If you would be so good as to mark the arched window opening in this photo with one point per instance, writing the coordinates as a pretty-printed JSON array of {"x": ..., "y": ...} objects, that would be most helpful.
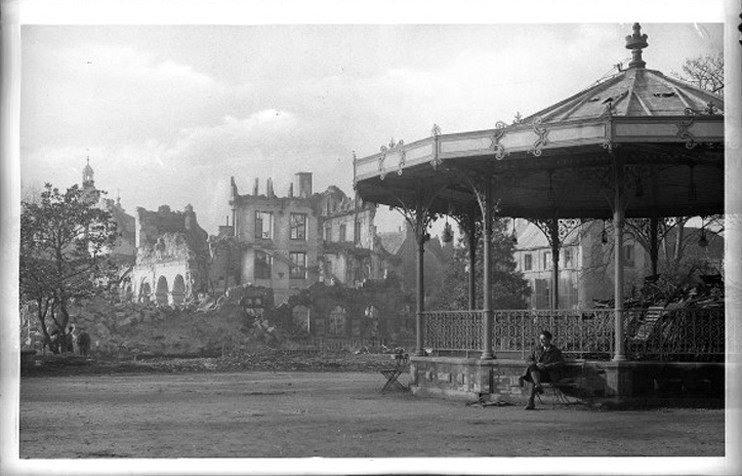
[
  {"x": 372, "y": 315},
  {"x": 178, "y": 290},
  {"x": 145, "y": 293},
  {"x": 300, "y": 317},
  {"x": 336, "y": 326},
  {"x": 162, "y": 291}
]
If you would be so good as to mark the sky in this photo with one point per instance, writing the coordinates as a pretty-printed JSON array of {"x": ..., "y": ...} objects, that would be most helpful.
[{"x": 168, "y": 113}]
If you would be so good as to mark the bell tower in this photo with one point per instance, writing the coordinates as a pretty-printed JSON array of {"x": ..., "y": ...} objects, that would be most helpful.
[{"x": 88, "y": 183}]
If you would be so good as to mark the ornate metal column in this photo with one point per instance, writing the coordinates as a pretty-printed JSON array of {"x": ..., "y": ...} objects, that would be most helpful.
[
  {"x": 467, "y": 220},
  {"x": 480, "y": 183},
  {"x": 487, "y": 244},
  {"x": 419, "y": 218},
  {"x": 555, "y": 246},
  {"x": 556, "y": 231},
  {"x": 420, "y": 236},
  {"x": 618, "y": 225},
  {"x": 472, "y": 237}
]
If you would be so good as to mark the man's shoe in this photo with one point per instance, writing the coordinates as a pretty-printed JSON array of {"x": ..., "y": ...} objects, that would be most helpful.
[{"x": 530, "y": 406}]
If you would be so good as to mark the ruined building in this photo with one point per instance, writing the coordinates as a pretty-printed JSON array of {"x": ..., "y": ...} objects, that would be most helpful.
[
  {"x": 289, "y": 243},
  {"x": 173, "y": 257}
]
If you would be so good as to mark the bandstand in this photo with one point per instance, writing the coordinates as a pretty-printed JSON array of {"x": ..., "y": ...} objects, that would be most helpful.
[{"x": 637, "y": 145}]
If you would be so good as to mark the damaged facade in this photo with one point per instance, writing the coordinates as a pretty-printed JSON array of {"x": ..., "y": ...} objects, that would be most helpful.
[
  {"x": 172, "y": 257},
  {"x": 318, "y": 253}
]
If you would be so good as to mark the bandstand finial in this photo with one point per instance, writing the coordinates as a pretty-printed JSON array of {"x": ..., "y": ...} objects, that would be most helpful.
[{"x": 636, "y": 42}]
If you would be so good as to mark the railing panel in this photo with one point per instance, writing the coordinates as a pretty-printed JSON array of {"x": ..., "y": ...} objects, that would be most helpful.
[
  {"x": 453, "y": 330},
  {"x": 650, "y": 334}
]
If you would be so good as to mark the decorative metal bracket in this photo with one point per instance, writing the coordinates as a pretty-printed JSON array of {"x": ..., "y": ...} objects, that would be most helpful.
[
  {"x": 711, "y": 109},
  {"x": 435, "y": 132},
  {"x": 499, "y": 150},
  {"x": 476, "y": 183},
  {"x": 542, "y": 140},
  {"x": 683, "y": 126},
  {"x": 402, "y": 160},
  {"x": 418, "y": 223},
  {"x": 609, "y": 145},
  {"x": 384, "y": 150},
  {"x": 565, "y": 227}
]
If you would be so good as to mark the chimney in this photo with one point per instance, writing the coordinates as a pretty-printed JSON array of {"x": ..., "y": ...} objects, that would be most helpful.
[
  {"x": 269, "y": 188},
  {"x": 255, "y": 187},
  {"x": 304, "y": 180},
  {"x": 190, "y": 217}
]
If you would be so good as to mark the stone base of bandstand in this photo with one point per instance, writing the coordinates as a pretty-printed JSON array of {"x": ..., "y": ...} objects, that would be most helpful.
[{"x": 605, "y": 383}]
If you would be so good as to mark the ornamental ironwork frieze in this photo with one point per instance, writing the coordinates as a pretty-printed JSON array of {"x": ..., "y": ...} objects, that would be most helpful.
[
  {"x": 542, "y": 140},
  {"x": 384, "y": 151},
  {"x": 435, "y": 132},
  {"x": 402, "y": 159},
  {"x": 496, "y": 146},
  {"x": 683, "y": 126}
]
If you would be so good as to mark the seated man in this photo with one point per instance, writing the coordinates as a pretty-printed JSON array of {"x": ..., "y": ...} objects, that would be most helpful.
[{"x": 544, "y": 365}]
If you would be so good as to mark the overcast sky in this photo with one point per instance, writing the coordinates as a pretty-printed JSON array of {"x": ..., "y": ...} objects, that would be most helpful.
[{"x": 168, "y": 113}]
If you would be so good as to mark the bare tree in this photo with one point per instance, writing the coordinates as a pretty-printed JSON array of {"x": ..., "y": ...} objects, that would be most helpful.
[{"x": 706, "y": 72}]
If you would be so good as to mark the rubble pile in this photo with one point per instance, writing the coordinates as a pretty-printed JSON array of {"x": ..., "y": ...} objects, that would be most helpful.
[
  {"x": 707, "y": 292},
  {"x": 127, "y": 330}
]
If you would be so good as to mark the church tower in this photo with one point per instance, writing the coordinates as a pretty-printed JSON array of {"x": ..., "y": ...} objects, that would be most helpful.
[{"x": 88, "y": 183}]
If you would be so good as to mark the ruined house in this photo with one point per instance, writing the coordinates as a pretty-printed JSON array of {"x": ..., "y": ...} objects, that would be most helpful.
[
  {"x": 275, "y": 239},
  {"x": 172, "y": 259}
]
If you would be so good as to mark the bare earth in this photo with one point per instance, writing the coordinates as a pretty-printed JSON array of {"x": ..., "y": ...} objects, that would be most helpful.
[{"x": 304, "y": 414}]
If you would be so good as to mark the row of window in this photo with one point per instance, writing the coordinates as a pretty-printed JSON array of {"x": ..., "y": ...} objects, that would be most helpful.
[
  {"x": 298, "y": 228},
  {"x": 264, "y": 265},
  {"x": 264, "y": 226},
  {"x": 343, "y": 233},
  {"x": 568, "y": 259}
]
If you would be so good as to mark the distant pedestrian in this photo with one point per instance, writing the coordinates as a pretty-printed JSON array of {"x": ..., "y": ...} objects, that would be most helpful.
[
  {"x": 83, "y": 342},
  {"x": 69, "y": 340},
  {"x": 54, "y": 341}
]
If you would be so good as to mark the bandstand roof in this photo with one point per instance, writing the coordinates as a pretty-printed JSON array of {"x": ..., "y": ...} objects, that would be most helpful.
[{"x": 668, "y": 135}]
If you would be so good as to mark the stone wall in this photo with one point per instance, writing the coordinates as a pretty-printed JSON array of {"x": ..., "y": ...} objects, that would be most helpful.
[{"x": 589, "y": 381}]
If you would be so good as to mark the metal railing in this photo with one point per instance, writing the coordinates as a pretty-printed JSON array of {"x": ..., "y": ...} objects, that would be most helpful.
[
  {"x": 685, "y": 334},
  {"x": 453, "y": 331}
]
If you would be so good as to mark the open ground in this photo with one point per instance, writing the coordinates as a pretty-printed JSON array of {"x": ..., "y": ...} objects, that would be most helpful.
[{"x": 329, "y": 414}]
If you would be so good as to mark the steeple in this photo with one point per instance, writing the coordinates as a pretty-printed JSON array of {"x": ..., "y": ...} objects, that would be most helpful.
[
  {"x": 90, "y": 194},
  {"x": 87, "y": 174}
]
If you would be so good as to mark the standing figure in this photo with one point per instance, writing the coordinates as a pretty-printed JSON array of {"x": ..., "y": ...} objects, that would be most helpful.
[
  {"x": 83, "y": 342},
  {"x": 69, "y": 340},
  {"x": 543, "y": 365}
]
